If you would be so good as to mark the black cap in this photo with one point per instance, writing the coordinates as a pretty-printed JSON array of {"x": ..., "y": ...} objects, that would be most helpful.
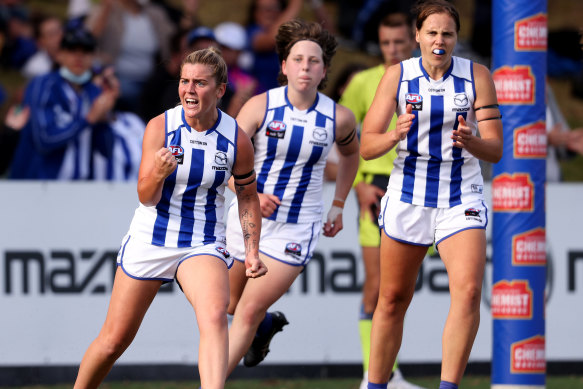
[{"x": 78, "y": 38}]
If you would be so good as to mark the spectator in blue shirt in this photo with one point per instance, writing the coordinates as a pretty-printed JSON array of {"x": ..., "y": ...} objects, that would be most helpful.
[{"x": 68, "y": 114}]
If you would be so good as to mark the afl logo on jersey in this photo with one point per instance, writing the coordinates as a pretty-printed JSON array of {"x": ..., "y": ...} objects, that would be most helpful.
[
  {"x": 415, "y": 100},
  {"x": 275, "y": 129},
  {"x": 221, "y": 160},
  {"x": 223, "y": 251},
  {"x": 293, "y": 249},
  {"x": 177, "y": 152}
]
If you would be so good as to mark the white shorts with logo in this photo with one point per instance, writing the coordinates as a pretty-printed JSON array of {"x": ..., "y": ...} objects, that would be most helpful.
[
  {"x": 291, "y": 243},
  {"x": 144, "y": 261},
  {"x": 423, "y": 226}
]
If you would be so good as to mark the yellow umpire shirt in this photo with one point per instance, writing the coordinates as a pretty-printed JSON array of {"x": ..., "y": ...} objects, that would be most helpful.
[{"x": 358, "y": 97}]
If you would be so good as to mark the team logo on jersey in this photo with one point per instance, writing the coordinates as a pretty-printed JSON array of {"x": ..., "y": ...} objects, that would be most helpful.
[
  {"x": 223, "y": 251},
  {"x": 473, "y": 214},
  {"x": 221, "y": 160},
  {"x": 460, "y": 99},
  {"x": 415, "y": 100},
  {"x": 320, "y": 135},
  {"x": 177, "y": 152},
  {"x": 293, "y": 249},
  {"x": 276, "y": 129}
]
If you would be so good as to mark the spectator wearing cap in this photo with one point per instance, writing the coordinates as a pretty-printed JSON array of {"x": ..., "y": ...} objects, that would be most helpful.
[
  {"x": 68, "y": 117},
  {"x": 201, "y": 38},
  {"x": 232, "y": 40},
  {"x": 132, "y": 35}
]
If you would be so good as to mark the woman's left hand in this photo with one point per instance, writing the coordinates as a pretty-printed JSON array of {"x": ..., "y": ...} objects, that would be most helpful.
[
  {"x": 463, "y": 135},
  {"x": 254, "y": 267},
  {"x": 333, "y": 221}
]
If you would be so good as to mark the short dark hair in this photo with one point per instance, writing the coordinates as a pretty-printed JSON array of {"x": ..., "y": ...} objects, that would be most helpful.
[
  {"x": 424, "y": 8},
  {"x": 293, "y": 31},
  {"x": 398, "y": 19}
]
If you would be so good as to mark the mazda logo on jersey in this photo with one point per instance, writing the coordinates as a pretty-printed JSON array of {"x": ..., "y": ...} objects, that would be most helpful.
[
  {"x": 177, "y": 152},
  {"x": 415, "y": 100},
  {"x": 221, "y": 160},
  {"x": 460, "y": 99},
  {"x": 293, "y": 249},
  {"x": 320, "y": 134},
  {"x": 276, "y": 129}
]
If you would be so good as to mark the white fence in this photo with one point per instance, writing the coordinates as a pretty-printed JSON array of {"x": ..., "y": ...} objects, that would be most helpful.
[{"x": 58, "y": 243}]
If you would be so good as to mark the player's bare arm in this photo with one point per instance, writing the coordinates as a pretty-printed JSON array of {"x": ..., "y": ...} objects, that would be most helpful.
[
  {"x": 488, "y": 146},
  {"x": 250, "y": 118},
  {"x": 245, "y": 182},
  {"x": 347, "y": 144},
  {"x": 157, "y": 162}
]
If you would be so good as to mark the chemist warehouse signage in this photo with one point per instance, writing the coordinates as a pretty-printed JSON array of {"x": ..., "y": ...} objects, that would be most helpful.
[{"x": 518, "y": 199}]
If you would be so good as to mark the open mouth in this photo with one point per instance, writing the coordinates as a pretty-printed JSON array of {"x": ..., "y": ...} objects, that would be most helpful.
[
  {"x": 191, "y": 103},
  {"x": 438, "y": 51}
]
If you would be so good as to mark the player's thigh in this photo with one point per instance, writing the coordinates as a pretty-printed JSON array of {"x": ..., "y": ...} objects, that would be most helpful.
[
  {"x": 399, "y": 266},
  {"x": 260, "y": 293},
  {"x": 464, "y": 256},
  {"x": 130, "y": 299},
  {"x": 205, "y": 282},
  {"x": 237, "y": 281}
]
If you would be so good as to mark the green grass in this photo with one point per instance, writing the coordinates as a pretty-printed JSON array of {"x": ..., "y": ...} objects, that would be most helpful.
[{"x": 469, "y": 382}]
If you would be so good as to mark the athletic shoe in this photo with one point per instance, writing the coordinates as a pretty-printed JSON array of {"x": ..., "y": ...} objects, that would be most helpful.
[
  {"x": 364, "y": 382},
  {"x": 399, "y": 382},
  {"x": 260, "y": 346}
]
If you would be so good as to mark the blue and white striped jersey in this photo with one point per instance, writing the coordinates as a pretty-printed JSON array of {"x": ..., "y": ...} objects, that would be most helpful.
[
  {"x": 190, "y": 212},
  {"x": 57, "y": 142},
  {"x": 429, "y": 171},
  {"x": 290, "y": 155},
  {"x": 124, "y": 162}
]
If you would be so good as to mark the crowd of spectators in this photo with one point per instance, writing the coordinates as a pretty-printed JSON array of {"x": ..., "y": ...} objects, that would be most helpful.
[
  {"x": 139, "y": 45},
  {"x": 93, "y": 79}
]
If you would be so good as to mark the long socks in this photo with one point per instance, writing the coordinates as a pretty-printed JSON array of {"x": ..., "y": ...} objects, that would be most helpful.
[
  {"x": 447, "y": 385},
  {"x": 265, "y": 325}
]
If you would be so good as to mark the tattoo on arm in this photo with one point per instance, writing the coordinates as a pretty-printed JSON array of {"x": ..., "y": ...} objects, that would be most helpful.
[{"x": 249, "y": 237}]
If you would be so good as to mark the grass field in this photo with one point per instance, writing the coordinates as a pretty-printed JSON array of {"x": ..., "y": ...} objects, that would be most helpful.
[{"x": 469, "y": 382}]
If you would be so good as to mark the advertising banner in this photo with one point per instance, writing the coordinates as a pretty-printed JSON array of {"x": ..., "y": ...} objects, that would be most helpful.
[
  {"x": 59, "y": 241},
  {"x": 518, "y": 195}
]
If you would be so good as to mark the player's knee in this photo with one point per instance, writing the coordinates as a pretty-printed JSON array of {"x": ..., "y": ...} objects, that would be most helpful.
[
  {"x": 252, "y": 314},
  {"x": 469, "y": 295},
  {"x": 214, "y": 316},
  {"x": 112, "y": 347},
  {"x": 391, "y": 303}
]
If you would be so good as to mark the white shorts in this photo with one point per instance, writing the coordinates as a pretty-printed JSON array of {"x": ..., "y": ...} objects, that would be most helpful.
[
  {"x": 144, "y": 261},
  {"x": 291, "y": 243},
  {"x": 423, "y": 226}
]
